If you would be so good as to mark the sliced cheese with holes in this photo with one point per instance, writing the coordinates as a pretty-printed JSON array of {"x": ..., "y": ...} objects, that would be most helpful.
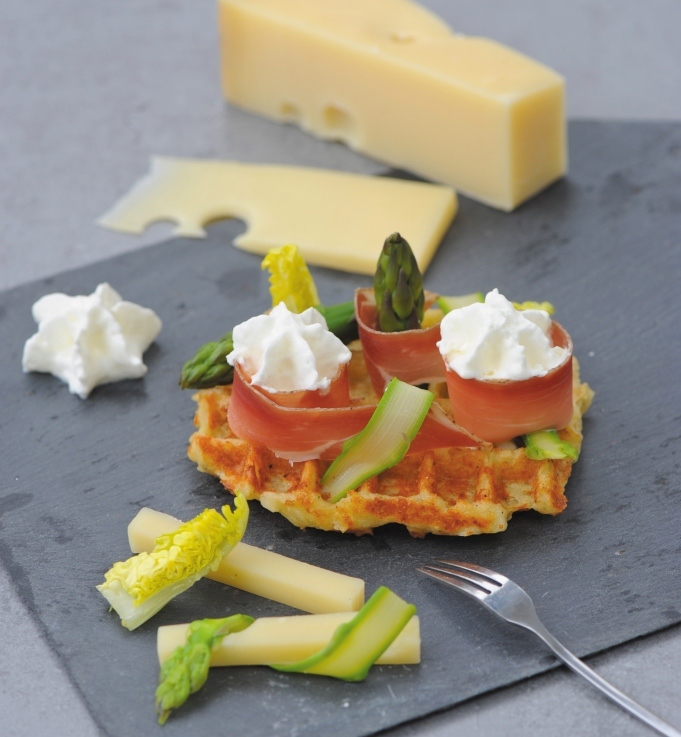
[
  {"x": 391, "y": 79},
  {"x": 337, "y": 220},
  {"x": 262, "y": 572},
  {"x": 287, "y": 640}
]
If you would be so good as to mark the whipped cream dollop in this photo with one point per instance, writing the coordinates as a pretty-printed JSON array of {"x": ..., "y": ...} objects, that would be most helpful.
[
  {"x": 286, "y": 352},
  {"x": 90, "y": 340},
  {"x": 494, "y": 340}
]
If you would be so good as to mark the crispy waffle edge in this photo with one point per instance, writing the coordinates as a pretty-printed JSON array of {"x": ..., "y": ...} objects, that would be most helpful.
[{"x": 451, "y": 491}]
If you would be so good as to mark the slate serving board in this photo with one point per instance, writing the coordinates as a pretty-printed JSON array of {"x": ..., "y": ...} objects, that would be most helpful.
[{"x": 604, "y": 246}]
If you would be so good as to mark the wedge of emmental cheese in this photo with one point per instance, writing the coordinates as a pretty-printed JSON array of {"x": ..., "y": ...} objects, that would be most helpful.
[{"x": 390, "y": 79}]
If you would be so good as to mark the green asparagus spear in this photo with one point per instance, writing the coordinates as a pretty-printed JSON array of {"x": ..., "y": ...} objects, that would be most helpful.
[
  {"x": 340, "y": 319},
  {"x": 209, "y": 366},
  {"x": 398, "y": 286},
  {"x": 186, "y": 670},
  {"x": 547, "y": 444}
]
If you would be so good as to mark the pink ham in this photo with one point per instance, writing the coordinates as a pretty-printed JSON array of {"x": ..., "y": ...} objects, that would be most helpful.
[
  {"x": 306, "y": 433},
  {"x": 411, "y": 355},
  {"x": 498, "y": 410}
]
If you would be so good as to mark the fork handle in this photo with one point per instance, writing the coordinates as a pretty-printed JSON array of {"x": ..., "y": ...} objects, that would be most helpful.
[{"x": 573, "y": 662}]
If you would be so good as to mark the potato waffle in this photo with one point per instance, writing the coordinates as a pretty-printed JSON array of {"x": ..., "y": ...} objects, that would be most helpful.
[{"x": 452, "y": 491}]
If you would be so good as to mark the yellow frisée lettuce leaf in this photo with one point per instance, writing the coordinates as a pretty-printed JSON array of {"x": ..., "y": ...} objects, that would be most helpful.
[
  {"x": 186, "y": 670},
  {"x": 142, "y": 585},
  {"x": 290, "y": 279},
  {"x": 447, "y": 304},
  {"x": 530, "y": 305}
]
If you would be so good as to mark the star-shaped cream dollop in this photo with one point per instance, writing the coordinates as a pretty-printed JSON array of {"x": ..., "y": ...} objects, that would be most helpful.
[{"x": 90, "y": 340}]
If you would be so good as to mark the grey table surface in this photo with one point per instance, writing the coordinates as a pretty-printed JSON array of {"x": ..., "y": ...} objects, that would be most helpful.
[{"x": 90, "y": 90}]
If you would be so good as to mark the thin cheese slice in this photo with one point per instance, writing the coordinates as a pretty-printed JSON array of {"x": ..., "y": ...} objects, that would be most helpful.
[
  {"x": 392, "y": 80},
  {"x": 288, "y": 640},
  {"x": 337, "y": 220},
  {"x": 262, "y": 572}
]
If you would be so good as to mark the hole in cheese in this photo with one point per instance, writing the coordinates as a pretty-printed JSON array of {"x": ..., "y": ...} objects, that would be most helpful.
[
  {"x": 402, "y": 37},
  {"x": 338, "y": 121},
  {"x": 289, "y": 111}
]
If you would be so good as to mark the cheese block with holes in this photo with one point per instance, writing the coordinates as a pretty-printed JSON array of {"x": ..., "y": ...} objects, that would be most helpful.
[{"x": 392, "y": 80}]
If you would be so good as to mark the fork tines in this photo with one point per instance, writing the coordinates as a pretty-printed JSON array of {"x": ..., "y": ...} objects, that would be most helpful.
[{"x": 474, "y": 580}]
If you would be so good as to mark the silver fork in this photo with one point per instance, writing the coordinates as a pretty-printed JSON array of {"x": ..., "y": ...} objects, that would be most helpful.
[{"x": 508, "y": 601}]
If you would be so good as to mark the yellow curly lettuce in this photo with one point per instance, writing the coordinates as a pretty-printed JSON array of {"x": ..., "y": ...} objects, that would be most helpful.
[
  {"x": 290, "y": 279},
  {"x": 142, "y": 585},
  {"x": 529, "y": 305}
]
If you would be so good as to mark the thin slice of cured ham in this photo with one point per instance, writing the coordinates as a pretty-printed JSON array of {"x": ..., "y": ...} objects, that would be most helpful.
[
  {"x": 410, "y": 355},
  {"x": 304, "y": 433},
  {"x": 498, "y": 410}
]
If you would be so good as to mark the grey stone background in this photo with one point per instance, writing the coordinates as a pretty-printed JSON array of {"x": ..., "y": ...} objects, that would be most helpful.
[{"x": 90, "y": 90}]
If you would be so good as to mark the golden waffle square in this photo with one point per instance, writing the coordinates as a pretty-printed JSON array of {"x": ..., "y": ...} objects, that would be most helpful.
[{"x": 452, "y": 491}]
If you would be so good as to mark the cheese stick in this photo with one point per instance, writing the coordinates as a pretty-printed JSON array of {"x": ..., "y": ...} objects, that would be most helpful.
[
  {"x": 288, "y": 581},
  {"x": 288, "y": 640}
]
